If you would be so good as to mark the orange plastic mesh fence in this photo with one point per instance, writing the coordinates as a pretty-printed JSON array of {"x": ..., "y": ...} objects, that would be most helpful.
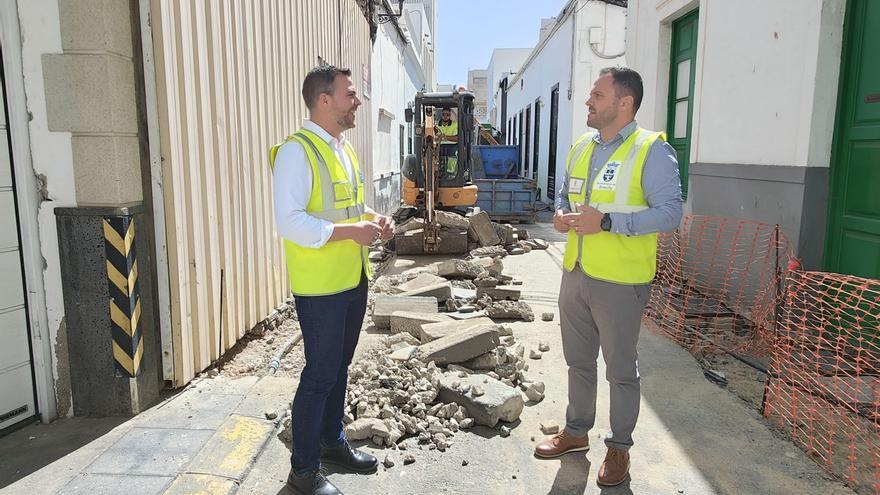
[
  {"x": 824, "y": 383},
  {"x": 718, "y": 285},
  {"x": 723, "y": 284}
]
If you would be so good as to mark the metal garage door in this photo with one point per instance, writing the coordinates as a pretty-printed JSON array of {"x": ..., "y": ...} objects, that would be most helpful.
[{"x": 17, "y": 401}]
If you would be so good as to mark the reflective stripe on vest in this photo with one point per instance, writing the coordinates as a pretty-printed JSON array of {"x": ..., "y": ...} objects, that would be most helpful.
[
  {"x": 328, "y": 194},
  {"x": 449, "y": 130},
  {"x": 338, "y": 197},
  {"x": 616, "y": 188}
]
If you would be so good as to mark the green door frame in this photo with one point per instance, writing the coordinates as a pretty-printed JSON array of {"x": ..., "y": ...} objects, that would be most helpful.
[
  {"x": 855, "y": 28},
  {"x": 684, "y": 47}
]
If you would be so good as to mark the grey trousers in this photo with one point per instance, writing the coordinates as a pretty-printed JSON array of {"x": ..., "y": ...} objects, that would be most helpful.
[{"x": 595, "y": 314}]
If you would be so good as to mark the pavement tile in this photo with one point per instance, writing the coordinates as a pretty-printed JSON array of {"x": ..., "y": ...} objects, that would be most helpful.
[
  {"x": 199, "y": 484},
  {"x": 270, "y": 393},
  {"x": 233, "y": 448},
  {"x": 112, "y": 484},
  {"x": 151, "y": 451},
  {"x": 192, "y": 409}
]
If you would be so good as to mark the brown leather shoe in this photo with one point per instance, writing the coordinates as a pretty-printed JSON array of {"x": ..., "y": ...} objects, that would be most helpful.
[
  {"x": 615, "y": 467},
  {"x": 562, "y": 443}
]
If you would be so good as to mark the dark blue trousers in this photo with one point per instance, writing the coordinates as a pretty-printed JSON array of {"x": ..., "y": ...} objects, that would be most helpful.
[{"x": 330, "y": 326}]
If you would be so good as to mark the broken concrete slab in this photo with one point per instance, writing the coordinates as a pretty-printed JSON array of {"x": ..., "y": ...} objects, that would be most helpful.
[
  {"x": 385, "y": 306},
  {"x": 395, "y": 340},
  {"x": 411, "y": 322},
  {"x": 486, "y": 281},
  {"x": 533, "y": 394},
  {"x": 423, "y": 279},
  {"x": 462, "y": 293},
  {"x": 505, "y": 233},
  {"x": 363, "y": 428},
  {"x": 492, "y": 265},
  {"x": 498, "y": 402},
  {"x": 430, "y": 332},
  {"x": 440, "y": 291},
  {"x": 460, "y": 346},
  {"x": 452, "y": 220},
  {"x": 499, "y": 293},
  {"x": 488, "y": 252},
  {"x": 404, "y": 354},
  {"x": 483, "y": 231},
  {"x": 459, "y": 269},
  {"x": 549, "y": 427},
  {"x": 510, "y": 310}
]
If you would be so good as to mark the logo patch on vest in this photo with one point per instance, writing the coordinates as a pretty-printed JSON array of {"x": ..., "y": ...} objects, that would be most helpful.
[{"x": 608, "y": 180}]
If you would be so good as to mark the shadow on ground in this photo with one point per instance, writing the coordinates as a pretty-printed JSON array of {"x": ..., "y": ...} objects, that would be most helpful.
[{"x": 37, "y": 445}]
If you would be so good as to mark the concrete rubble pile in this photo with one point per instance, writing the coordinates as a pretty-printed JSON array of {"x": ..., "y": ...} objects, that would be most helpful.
[
  {"x": 447, "y": 364},
  {"x": 460, "y": 288},
  {"x": 418, "y": 394},
  {"x": 459, "y": 234}
]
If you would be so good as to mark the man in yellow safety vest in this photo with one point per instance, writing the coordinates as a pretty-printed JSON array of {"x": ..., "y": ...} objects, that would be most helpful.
[
  {"x": 326, "y": 226},
  {"x": 621, "y": 187},
  {"x": 448, "y": 127}
]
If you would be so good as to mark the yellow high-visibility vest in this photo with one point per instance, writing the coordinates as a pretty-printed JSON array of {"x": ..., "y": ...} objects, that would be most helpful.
[
  {"x": 616, "y": 188},
  {"x": 337, "y": 265},
  {"x": 450, "y": 130}
]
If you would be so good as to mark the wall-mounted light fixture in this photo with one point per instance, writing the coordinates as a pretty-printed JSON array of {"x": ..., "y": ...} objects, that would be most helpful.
[{"x": 383, "y": 18}]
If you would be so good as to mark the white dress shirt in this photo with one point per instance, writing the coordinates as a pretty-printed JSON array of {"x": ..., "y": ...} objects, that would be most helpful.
[{"x": 292, "y": 185}]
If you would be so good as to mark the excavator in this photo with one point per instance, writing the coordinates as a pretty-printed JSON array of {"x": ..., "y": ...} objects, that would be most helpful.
[{"x": 438, "y": 176}]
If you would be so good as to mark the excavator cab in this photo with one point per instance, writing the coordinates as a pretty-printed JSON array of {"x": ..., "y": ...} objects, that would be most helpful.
[{"x": 438, "y": 175}]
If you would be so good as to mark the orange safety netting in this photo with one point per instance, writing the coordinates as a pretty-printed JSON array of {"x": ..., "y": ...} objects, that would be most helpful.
[
  {"x": 824, "y": 383},
  {"x": 718, "y": 284},
  {"x": 729, "y": 286}
]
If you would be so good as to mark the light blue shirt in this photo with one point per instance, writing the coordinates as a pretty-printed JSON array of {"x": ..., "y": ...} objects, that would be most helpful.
[{"x": 660, "y": 183}]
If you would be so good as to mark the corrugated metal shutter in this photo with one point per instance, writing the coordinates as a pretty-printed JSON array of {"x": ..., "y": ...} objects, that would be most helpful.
[{"x": 228, "y": 76}]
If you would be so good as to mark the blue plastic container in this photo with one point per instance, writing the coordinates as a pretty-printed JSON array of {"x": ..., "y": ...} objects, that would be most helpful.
[{"x": 500, "y": 162}]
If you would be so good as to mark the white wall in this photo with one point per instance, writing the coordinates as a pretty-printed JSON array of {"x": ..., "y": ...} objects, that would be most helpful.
[
  {"x": 51, "y": 156},
  {"x": 503, "y": 62},
  {"x": 769, "y": 80},
  {"x": 553, "y": 63},
  {"x": 397, "y": 74}
]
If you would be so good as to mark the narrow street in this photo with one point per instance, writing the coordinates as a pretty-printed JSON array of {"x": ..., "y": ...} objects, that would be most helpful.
[{"x": 214, "y": 438}]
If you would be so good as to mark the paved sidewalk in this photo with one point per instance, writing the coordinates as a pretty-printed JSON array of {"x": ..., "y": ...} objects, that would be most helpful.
[{"x": 202, "y": 440}]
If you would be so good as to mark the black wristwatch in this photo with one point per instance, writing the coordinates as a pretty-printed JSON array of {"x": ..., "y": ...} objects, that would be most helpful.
[{"x": 606, "y": 222}]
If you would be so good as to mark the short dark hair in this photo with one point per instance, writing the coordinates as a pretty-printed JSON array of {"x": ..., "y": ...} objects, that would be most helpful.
[
  {"x": 627, "y": 82},
  {"x": 319, "y": 81}
]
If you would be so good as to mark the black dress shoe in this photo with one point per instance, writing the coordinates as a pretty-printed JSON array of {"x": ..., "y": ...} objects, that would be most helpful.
[
  {"x": 349, "y": 459},
  {"x": 314, "y": 483}
]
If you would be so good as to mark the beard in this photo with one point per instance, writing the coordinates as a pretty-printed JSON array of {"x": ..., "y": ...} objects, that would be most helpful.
[
  {"x": 599, "y": 120},
  {"x": 346, "y": 120}
]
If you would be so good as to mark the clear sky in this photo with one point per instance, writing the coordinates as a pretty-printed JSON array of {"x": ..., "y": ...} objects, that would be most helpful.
[{"x": 468, "y": 31}]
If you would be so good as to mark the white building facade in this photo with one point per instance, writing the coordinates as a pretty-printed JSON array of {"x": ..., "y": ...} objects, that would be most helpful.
[
  {"x": 402, "y": 63},
  {"x": 774, "y": 116},
  {"x": 504, "y": 62},
  {"x": 546, "y": 98},
  {"x": 477, "y": 84}
]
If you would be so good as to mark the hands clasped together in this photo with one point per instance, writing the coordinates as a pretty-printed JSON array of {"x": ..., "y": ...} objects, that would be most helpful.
[{"x": 585, "y": 220}]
